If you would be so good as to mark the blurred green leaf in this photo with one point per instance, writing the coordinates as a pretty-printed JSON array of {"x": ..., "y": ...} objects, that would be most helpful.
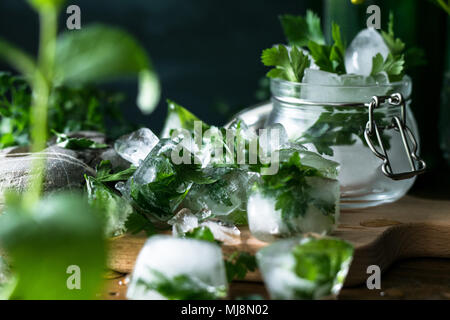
[
  {"x": 18, "y": 59},
  {"x": 99, "y": 53},
  {"x": 201, "y": 233},
  {"x": 15, "y": 100},
  {"x": 42, "y": 241},
  {"x": 442, "y": 4},
  {"x": 139, "y": 223},
  {"x": 70, "y": 110},
  {"x": 300, "y": 30},
  {"x": 238, "y": 264},
  {"x": 415, "y": 57}
]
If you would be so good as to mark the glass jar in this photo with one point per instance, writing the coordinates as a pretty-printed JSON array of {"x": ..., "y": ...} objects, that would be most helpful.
[{"x": 332, "y": 121}]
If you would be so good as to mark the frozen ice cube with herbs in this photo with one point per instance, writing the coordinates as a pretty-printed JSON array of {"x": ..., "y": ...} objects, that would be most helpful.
[
  {"x": 307, "y": 268},
  {"x": 364, "y": 47},
  {"x": 178, "y": 269},
  {"x": 302, "y": 197},
  {"x": 224, "y": 196},
  {"x": 159, "y": 186},
  {"x": 135, "y": 146},
  {"x": 185, "y": 222},
  {"x": 202, "y": 180},
  {"x": 272, "y": 138}
]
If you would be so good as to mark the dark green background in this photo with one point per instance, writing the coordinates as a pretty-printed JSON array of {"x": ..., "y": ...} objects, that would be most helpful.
[{"x": 206, "y": 52}]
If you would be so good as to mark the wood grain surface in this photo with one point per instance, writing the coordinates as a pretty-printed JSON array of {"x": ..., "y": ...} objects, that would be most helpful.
[{"x": 409, "y": 228}]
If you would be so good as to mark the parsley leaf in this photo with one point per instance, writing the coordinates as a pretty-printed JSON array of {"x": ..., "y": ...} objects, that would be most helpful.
[
  {"x": 201, "y": 233},
  {"x": 330, "y": 58},
  {"x": 64, "y": 141},
  {"x": 337, "y": 50},
  {"x": 114, "y": 209},
  {"x": 288, "y": 66},
  {"x": 105, "y": 174},
  {"x": 238, "y": 264},
  {"x": 162, "y": 195},
  {"x": 393, "y": 66},
  {"x": 299, "y": 30},
  {"x": 395, "y": 45},
  {"x": 70, "y": 110},
  {"x": 412, "y": 57},
  {"x": 291, "y": 190},
  {"x": 15, "y": 101},
  {"x": 137, "y": 223},
  {"x": 323, "y": 264},
  {"x": 339, "y": 127}
]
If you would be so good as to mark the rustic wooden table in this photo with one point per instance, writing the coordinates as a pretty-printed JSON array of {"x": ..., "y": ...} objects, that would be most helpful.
[{"x": 408, "y": 239}]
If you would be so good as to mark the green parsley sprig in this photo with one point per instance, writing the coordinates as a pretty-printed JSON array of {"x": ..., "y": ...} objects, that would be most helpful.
[{"x": 289, "y": 66}]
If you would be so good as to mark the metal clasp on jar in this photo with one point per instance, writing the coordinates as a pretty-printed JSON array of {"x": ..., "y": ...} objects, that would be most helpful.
[{"x": 417, "y": 165}]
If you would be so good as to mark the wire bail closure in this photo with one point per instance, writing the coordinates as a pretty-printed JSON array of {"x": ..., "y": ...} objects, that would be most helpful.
[{"x": 417, "y": 165}]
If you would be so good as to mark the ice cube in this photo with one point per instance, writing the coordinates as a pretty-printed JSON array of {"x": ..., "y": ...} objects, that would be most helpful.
[
  {"x": 156, "y": 187},
  {"x": 184, "y": 221},
  {"x": 222, "y": 197},
  {"x": 176, "y": 268},
  {"x": 228, "y": 234},
  {"x": 327, "y": 168},
  {"x": 135, "y": 146},
  {"x": 329, "y": 87},
  {"x": 264, "y": 220},
  {"x": 272, "y": 138},
  {"x": 366, "y": 45},
  {"x": 268, "y": 223},
  {"x": 244, "y": 130},
  {"x": 307, "y": 268}
]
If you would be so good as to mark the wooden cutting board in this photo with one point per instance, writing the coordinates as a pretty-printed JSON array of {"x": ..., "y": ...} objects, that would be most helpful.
[{"x": 410, "y": 227}]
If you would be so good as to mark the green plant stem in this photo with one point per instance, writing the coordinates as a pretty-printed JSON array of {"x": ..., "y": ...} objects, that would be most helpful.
[
  {"x": 445, "y": 6},
  {"x": 48, "y": 17},
  {"x": 41, "y": 91}
]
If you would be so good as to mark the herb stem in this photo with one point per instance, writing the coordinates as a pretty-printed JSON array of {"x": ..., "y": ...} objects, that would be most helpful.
[
  {"x": 41, "y": 85},
  {"x": 445, "y": 6}
]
